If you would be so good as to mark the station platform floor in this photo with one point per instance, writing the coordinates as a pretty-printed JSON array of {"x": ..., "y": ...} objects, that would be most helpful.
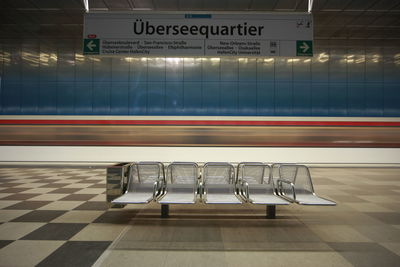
[{"x": 59, "y": 217}]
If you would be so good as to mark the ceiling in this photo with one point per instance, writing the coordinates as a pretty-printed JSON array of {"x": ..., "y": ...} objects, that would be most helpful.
[{"x": 333, "y": 19}]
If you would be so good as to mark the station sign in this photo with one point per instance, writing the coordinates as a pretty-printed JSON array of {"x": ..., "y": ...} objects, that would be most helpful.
[{"x": 182, "y": 34}]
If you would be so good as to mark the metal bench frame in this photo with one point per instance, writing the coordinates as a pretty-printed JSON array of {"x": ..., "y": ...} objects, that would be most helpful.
[{"x": 283, "y": 188}]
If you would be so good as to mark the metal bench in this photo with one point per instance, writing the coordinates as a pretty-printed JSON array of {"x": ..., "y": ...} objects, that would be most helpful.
[
  {"x": 219, "y": 184},
  {"x": 254, "y": 183},
  {"x": 295, "y": 185},
  {"x": 182, "y": 183},
  {"x": 144, "y": 183}
]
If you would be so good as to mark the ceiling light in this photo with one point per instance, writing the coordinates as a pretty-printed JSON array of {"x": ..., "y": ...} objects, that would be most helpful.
[
  {"x": 86, "y": 4},
  {"x": 310, "y": 4}
]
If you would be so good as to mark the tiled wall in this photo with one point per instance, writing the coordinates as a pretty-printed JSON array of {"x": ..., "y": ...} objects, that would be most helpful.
[{"x": 342, "y": 79}]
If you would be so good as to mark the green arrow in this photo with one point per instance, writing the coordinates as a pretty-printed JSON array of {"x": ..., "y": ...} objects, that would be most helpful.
[
  {"x": 91, "y": 45},
  {"x": 305, "y": 47}
]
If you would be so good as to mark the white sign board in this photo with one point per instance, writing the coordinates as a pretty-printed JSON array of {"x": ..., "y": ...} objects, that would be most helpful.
[{"x": 165, "y": 34}]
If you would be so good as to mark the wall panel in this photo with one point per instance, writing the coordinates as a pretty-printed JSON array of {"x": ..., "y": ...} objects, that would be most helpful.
[
  {"x": 155, "y": 98},
  {"x": 265, "y": 69},
  {"x": 83, "y": 98},
  {"x": 137, "y": 98},
  {"x": 302, "y": 98},
  {"x": 391, "y": 99},
  {"x": 174, "y": 98},
  {"x": 48, "y": 98},
  {"x": 174, "y": 69},
  {"x": 65, "y": 98},
  {"x": 11, "y": 98},
  {"x": 66, "y": 61},
  {"x": 265, "y": 98},
  {"x": 210, "y": 98},
  {"x": 192, "y": 98},
  {"x": 373, "y": 99},
  {"x": 247, "y": 94},
  {"x": 283, "y": 99},
  {"x": 30, "y": 98},
  {"x": 119, "y": 101},
  {"x": 101, "y": 98},
  {"x": 229, "y": 98},
  {"x": 338, "y": 99},
  {"x": 356, "y": 99},
  {"x": 320, "y": 99}
]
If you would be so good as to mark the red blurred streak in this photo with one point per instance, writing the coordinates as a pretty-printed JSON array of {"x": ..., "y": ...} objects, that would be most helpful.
[{"x": 201, "y": 123}]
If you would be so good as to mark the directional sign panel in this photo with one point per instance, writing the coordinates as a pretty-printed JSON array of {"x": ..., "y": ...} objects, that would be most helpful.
[
  {"x": 304, "y": 48},
  {"x": 211, "y": 34},
  {"x": 91, "y": 46}
]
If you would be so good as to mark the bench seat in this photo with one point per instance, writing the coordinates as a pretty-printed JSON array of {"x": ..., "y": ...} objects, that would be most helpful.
[
  {"x": 134, "y": 198},
  {"x": 178, "y": 198},
  {"x": 222, "y": 199}
]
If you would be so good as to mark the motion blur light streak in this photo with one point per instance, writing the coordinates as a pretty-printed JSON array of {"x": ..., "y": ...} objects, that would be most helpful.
[{"x": 199, "y": 132}]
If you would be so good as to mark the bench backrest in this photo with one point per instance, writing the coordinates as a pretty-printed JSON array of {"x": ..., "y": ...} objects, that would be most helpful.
[
  {"x": 143, "y": 175},
  {"x": 299, "y": 175},
  {"x": 218, "y": 173},
  {"x": 254, "y": 173},
  {"x": 182, "y": 173}
]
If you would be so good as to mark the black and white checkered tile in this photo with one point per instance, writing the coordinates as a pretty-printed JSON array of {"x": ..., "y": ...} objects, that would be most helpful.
[
  {"x": 59, "y": 217},
  {"x": 54, "y": 217}
]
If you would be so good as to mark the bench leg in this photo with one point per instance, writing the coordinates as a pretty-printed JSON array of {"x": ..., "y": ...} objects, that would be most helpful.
[
  {"x": 164, "y": 211},
  {"x": 116, "y": 206},
  {"x": 271, "y": 212}
]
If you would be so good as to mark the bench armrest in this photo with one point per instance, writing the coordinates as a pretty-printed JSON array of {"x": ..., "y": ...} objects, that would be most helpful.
[
  {"x": 243, "y": 188},
  {"x": 158, "y": 188},
  {"x": 280, "y": 187},
  {"x": 245, "y": 185},
  {"x": 155, "y": 189},
  {"x": 200, "y": 189}
]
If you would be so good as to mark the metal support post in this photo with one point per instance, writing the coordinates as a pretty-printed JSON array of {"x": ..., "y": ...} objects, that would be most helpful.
[
  {"x": 271, "y": 212},
  {"x": 164, "y": 210}
]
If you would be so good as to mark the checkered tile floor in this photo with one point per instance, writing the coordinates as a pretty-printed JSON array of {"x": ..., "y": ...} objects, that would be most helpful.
[
  {"x": 53, "y": 217},
  {"x": 59, "y": 217}
]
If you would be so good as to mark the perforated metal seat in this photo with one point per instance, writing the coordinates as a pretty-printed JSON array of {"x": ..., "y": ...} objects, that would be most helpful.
[
  {"x": 219, "y": 184},
  {"x": 256, "y": 184},
  {"x": 133, "y": 198},
  {"x": 145, "y": 182},
  {"x": 295, "y": 185},
  {"x": 182, "y": 184}
]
